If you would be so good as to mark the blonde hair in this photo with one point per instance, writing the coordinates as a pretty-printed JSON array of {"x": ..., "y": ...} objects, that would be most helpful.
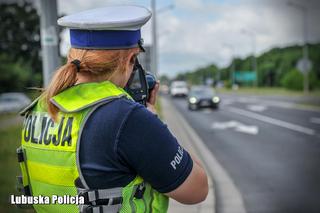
[{"x": 95, "y": 63}]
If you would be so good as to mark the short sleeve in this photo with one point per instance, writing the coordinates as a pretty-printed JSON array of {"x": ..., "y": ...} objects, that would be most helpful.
[{"x": 149, "y": 148}]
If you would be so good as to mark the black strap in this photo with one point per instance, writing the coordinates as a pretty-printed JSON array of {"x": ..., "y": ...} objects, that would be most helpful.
[
  {"x": 20, "y": 155},
  {"x": 140, "y": 191}
]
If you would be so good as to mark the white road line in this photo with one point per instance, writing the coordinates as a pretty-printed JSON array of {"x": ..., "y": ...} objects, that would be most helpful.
[
  {"x": 315, "y": 120},
  {"x": 224, "y": 125},
  {"x": 257, "y": 108},
  {"x": 237, "y": 126},
  {"x": 273, "y": 121},
  {"x": 276, "y": 103},
  {"x": 252, "y": 130},
  {"x": 231, "y": 198}
]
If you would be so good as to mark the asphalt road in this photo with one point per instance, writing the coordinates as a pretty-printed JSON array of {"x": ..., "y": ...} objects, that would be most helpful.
[{"x": 269, "y": 147}]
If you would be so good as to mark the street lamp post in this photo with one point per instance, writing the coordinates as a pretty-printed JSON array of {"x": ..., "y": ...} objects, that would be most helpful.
[
  {"x": 154, "y": 50},
  {"x": 254, "y": 58},
  {"x": 154, "y": 62},
  {"x": 305, "y": 51},
  {"x": 49, "y": 38},
  {"x": 232, "y": 74}
]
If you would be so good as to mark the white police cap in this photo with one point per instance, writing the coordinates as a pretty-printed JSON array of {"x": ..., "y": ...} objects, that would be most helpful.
[{"x": 113, "y": 27}]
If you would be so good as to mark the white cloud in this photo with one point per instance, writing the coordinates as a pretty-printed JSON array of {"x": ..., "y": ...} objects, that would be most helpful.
[
  {"x": 190, "y": 4},
  {"x": 194, "y": 33},
  {"x": 274, "y": 24}
]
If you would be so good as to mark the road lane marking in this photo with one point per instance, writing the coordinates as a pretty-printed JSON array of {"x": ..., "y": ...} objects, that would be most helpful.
[
  {"x": 273, "y": 121},
  {"x": 224, "y": 125},
  {"x": 252, "y": 130},
  {"x": 315, "y": 120},
  {"x": 237, "y": 126},
  {"x": 257, "y": 108},
  {"x": 230, "y": 197},
  {"x": 278, "y": 103}
]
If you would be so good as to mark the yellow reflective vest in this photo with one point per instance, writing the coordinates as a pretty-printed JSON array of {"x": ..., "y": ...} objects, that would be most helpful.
[{"x": 49, "y": 151}]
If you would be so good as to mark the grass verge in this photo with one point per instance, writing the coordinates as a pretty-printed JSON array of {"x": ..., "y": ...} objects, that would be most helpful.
[
  {"x": 269, "y": 91},
  {"x": 10, "y": 140},
  {"x": 158, "y": 108}
]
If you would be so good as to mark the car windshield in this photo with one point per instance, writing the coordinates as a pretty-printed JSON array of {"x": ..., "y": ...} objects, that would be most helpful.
[{"x": 202, "y": 91}]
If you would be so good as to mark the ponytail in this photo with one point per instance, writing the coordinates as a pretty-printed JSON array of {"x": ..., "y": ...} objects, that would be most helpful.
[
  {"x": 94, "y": 64},
  {"x": 64, "y": 77}
]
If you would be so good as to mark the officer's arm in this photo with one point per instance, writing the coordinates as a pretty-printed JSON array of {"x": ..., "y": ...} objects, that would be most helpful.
[{"x": 195, "y": 188}]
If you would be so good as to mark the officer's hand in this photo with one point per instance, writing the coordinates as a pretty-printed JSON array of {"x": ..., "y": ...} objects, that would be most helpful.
[{"x": 153, "y": 98}]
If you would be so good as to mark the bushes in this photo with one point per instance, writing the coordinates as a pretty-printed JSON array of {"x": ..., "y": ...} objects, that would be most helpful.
[{"x": 294, "y": 80}]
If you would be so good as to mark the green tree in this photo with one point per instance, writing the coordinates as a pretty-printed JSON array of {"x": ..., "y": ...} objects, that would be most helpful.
[
  {"x": 275, "y": 68},
  {"x": 19, "y": 46}
]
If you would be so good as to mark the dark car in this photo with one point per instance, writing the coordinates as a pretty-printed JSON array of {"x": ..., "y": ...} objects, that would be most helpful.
[{"x": 202, "y": 96}]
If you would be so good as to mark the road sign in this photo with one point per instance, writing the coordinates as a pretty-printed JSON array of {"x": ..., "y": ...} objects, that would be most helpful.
[
  {"x": 245, "y": 76},
  {"x": 49, "y": 36},
  {"x": 304, "y": 65}
]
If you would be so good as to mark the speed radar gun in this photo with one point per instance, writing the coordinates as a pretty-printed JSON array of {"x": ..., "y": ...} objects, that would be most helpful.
[{"x": 140, "y": 84}]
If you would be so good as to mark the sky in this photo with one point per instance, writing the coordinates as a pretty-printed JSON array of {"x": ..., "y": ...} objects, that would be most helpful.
[{"x": 196, "y": 33}]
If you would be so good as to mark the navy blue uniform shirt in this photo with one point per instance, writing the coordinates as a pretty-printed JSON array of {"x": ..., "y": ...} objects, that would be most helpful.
[{"x": 123, "y": 139}]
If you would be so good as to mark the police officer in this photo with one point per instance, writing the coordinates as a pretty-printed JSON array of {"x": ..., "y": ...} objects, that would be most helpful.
[{"x": 85, "y": 135}]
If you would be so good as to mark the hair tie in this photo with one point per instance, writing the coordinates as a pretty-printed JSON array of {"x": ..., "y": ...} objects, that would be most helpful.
[{"x": 77, "y": 63}]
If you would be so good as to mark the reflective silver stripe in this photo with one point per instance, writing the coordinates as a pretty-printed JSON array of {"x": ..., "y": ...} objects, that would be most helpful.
[
  {"x": 103, "y": 100},
  {"x": 30, "y": 106},
  {"x": 132, "y": 205},
  {"x": 144, "y": 203},
  {"x": 92, "y": 196},
  {"x": 110, "y": 193},
  {"x": 102, "y": 193},
  {"x": 106, "y": 209},
  {"x": 151, "y": 199},
  {"x": 79, "y": 137}
]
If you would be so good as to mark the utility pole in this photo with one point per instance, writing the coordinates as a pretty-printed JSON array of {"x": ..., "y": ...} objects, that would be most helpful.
[
  {"x": 232, "y": 73},
  {"x": 154, "y": 49},
  {"x": 254, "y": 58},
  {"x": 49, "y": 38},
  {"x": 305, "y": 52},
  {"x": 154, "y": 53}
]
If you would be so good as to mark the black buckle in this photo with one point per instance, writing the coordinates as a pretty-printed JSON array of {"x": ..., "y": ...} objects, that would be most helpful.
[
  {"x": 85, "y": 197},
  {"x": 20, "y": 155},
  {"x": 140, "y": 191}
]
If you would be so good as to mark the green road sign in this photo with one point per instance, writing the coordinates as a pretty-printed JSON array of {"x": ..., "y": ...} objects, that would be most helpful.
[{"x": 245, "y": 76}]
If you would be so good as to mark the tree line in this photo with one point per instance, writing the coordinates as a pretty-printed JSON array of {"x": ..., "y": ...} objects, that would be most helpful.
[
  {"x": 275, "y": 68},
  {"x": 20, "y": 47},
  {"x": 21, "y": 60}
]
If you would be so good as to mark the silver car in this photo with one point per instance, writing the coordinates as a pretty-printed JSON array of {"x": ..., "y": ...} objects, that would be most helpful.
[{"x": 13, "y": 102}]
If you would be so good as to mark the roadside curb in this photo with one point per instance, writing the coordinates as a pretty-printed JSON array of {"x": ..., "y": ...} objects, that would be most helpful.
[{"x": 230, "y": 199}]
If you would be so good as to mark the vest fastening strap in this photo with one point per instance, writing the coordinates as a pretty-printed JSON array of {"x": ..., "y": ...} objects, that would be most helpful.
[
  {"x": 101, "y": 209},
  {"x": 101, "y": 200},
  {"x": 100, "y": 194}
]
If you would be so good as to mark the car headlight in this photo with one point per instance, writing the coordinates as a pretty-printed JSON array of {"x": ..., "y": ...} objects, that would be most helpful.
[
  {"x": 192, "y": 100},
  {"x": 215, "y": 99}
]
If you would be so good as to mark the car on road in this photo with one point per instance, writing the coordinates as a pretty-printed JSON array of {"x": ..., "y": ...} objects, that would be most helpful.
[
  {"x": 202, "y": 96},
  {"x": 13, "y": 102},
  {"x": 179, "y": 88}
]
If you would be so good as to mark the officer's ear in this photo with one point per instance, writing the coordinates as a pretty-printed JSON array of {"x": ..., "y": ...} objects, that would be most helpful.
[{"x": 133, "y": 58}]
